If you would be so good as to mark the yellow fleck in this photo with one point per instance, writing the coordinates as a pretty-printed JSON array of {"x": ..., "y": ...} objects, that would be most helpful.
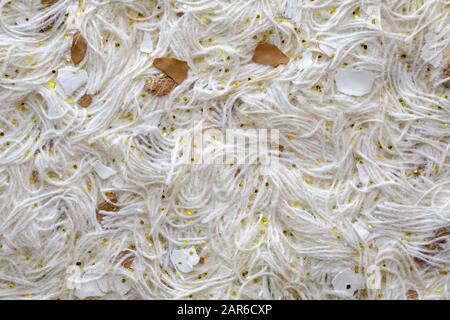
[{"x": 264, "y": 221}]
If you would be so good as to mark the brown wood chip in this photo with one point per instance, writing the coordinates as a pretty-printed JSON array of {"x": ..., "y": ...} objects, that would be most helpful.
[
  {"x": 442, "y": 232},
  {"x": 294, "y": 294},
  {"x": 266, "y": 53},
  {"x": 446, "y": 74},
  {"x": 127, "y": 262},
  {"x": 160, "y": 86},
  {"x": 412, "y": 294},
  {"x": 109, "y": 206},
  {"x": 420, "y": 263},
  {"x": 85, "y": 101},
  {"x": 79, "y": 48},
  {"x": 34, "y": 178},
  {"x": 48, "y": 1},
  {"x": 174, "y": 68},
  {"x": 99, "y": 216}
]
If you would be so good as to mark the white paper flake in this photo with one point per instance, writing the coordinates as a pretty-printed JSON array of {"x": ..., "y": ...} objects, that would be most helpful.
[
  {"x": 354, "y": 82},
  {"x": 373, "y": 17},
  {"x": 185, "y": 259},
  {"x": 147, "y": 43},
  {"x": 347, "y": 281},
  {"x": 328, "y": 47},
  {"x": 362, "y": 174},
  {"x": 361, "y": 230},
  {"x": 88, "y": 288},
  {"x": 103, "y": 171},
  {"x": 306, "y": 61},
  {"x": 70, "y": 79},
  {"x": 20, "y": 20},
  {"x": 430, "y": 52}
]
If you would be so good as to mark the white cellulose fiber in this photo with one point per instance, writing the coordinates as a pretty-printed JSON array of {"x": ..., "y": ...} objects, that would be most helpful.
[{"x": 95, "y": 202}]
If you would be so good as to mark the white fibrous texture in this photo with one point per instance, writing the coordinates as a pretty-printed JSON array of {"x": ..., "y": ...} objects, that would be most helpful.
[{"x": 95, "y": 202}]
